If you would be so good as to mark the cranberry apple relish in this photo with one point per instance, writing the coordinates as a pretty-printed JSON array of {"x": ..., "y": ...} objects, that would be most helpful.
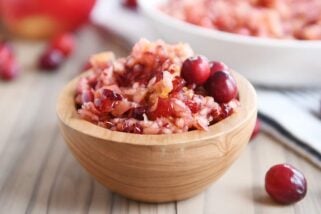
[{"x": 158, "y": 89}]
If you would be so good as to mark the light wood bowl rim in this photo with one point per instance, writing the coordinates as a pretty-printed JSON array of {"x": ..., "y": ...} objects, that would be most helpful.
[{"x": 68, "y": 115}]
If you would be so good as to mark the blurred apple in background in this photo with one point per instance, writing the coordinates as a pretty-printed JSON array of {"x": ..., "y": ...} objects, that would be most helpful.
[{"x": 38, "y": 19}]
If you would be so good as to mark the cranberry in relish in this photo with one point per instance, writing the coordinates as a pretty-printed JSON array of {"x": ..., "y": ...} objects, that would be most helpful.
[
  {"x": 196, "y": 70},
  {"x": 222, "y": 86},
  {"x": 158, "y": 89},
  {"x": 218, "y": 66}
]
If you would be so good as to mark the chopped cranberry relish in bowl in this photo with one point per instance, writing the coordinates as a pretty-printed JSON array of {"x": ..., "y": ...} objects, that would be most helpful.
[
  {"x": 158, "y": 89},
  {"x": 146, "y": 94}
]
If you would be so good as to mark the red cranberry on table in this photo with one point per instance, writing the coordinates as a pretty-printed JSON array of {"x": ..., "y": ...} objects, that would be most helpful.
[
  {"x": 222, "y": 86},
  {"x": 6, "y": 52},
  {"x": 257, "y": 128},
  {"x": 65, "y": 43},
  {"x": 58, "y": 50},
  {"x": 131, "y": 4},
  {"x": 196, "y": 70},
  {"x": 217, "y": 66},
  {"x": 285, "y": 184},
  {"x": 9, "y": 68},
  {"x": 51, "y": 59}
]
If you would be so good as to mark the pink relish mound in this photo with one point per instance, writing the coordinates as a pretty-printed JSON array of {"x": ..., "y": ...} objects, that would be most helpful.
[
  {"x": 281, "y": 19},
  {"x": 146, "y": 93}
]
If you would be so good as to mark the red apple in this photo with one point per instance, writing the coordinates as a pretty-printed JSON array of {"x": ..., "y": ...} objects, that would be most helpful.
[{"x": 44, "y": 18}]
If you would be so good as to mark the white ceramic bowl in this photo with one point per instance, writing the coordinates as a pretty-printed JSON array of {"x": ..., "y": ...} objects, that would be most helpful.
[{"x": 271, "y": 62}]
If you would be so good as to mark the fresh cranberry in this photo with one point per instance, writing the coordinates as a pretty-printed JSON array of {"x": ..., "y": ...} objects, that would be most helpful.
[
  {"x": 285, "y": 184},
  {"x": 6, "y": 53},
  {"x": 196, "y": 70},
  {"x": 65, "y": 43},
  {"x": 222, "y": 87},
  {"x": 131, "y": 4},
  {"x": 256, "y": 129},
  {"x": 137, "y": 112},
  {"x": 164, "y": 109},
  {"x": 10, "y": 70},
  {"x": 51, "y": 59},
  {"x": 217, "y": 66}
]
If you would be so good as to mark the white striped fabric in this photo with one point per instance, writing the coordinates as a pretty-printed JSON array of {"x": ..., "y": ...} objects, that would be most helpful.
[{"x": 293, "y": 116}]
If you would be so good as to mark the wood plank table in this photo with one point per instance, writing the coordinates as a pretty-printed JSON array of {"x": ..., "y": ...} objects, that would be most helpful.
[{"x": 38, "y": 174}]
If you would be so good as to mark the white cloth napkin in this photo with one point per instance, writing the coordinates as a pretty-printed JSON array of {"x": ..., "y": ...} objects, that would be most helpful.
[
  {"x": 290, "y": 116},
  {"x": 293, "y": 117}
]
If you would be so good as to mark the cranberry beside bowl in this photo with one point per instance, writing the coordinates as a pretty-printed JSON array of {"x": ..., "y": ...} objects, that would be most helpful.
[
  {"x": 264, "y": 61},
  {"x": 164, "y": 144}
]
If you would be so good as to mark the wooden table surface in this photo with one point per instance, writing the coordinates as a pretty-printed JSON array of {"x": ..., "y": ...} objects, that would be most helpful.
[{"x": 38, "y": 174}]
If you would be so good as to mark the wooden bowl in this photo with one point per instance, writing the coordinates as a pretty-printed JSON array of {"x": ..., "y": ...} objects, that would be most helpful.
[{"x": 158, "y": 168}]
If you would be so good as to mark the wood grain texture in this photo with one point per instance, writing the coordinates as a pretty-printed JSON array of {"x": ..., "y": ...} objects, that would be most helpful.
[
  {"x": 39, "y": 175},
  {"x": 158, "y": 168}
]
